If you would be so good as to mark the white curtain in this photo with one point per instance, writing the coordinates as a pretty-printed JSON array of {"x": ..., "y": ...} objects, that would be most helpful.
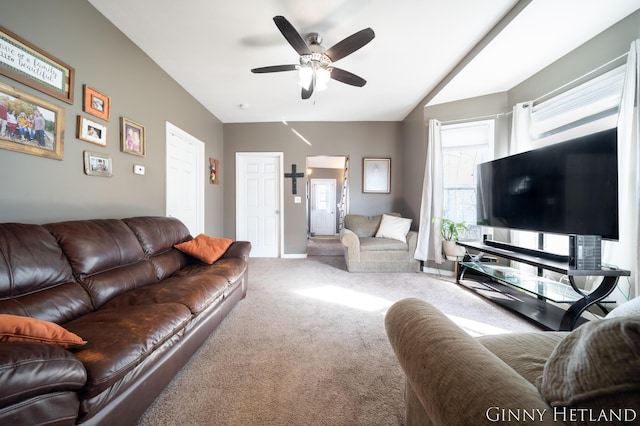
[
  {"x": 624, "y": 253},
  {"x": 521, "y": 128},
  {"x": 429, "y": 238}
]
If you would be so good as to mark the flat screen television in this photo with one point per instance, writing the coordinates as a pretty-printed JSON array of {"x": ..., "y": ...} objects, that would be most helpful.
[{"x": 567, "y": 188}]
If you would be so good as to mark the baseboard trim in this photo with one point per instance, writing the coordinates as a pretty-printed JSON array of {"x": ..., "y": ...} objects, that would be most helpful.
[
  {"x": 440, "y": 272},
  {"x": 294, "y": 256}
]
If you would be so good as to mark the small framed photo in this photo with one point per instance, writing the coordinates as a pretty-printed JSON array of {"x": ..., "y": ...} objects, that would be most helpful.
[
  {"x": 96, "y": 103},
  {"x": 376, "y": 175},
  {"x": 97, "y": 164},
  {"x": 90, "y": 131},
  {"x": 132, "y": 137}
]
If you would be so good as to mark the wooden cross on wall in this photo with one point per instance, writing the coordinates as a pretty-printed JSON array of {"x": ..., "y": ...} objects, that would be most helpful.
[{"x": 293, "y": 175}]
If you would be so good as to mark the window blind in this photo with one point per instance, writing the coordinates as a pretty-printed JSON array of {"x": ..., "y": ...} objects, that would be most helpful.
[{"x": 586, "y": 108}]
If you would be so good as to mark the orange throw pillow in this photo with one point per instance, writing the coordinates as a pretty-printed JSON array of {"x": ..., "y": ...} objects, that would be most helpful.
[
  {"x": 205, "y": 248},
  {"x": 15, "y": 328}
]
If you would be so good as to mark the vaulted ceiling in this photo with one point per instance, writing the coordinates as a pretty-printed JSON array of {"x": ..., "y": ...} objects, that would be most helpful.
[{"x": 475, "y": 47}]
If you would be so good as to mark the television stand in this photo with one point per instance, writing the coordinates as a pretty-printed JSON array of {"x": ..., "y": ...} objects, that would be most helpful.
[
  {"x": 529, "y": 294},
  {"x": 531, "y": 252}
]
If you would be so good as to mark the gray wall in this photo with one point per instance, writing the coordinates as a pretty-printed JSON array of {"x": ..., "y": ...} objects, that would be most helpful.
[
  {"x": 606, "y": 46},
  {"x": 353, "y": 139},
  {"x": 39, "y": 190}
]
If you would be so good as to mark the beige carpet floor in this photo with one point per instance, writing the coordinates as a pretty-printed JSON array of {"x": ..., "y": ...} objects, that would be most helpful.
[{"x": 308, "y": 347}]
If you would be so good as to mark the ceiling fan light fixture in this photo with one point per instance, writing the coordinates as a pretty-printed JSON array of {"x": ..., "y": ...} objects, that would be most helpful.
[
  {"x": 314, "y": 69},
  {"x": 323, "y": 75},
  {"x": 305, "y": 76}
]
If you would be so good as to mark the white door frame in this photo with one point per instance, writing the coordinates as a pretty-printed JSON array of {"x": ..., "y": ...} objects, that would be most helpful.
[
  {"x": 171, "y": 129},
  {"x": 280, "y": 156}
]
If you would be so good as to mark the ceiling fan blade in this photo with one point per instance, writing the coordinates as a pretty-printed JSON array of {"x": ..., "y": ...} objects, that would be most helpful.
[
  {"x": 347, "y": 77},
  {"x": 350, "y": 44},
  {"x": 292, "y": 35},
  {"x": 274, "y": 68},
  {"x": 306, "y": 93}
]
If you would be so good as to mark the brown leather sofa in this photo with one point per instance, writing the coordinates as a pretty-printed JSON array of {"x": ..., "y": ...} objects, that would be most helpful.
[{"x": 142, "y": 306}]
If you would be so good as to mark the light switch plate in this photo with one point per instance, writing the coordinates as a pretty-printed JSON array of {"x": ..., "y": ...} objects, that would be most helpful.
[{"x": 297, "y": 200}]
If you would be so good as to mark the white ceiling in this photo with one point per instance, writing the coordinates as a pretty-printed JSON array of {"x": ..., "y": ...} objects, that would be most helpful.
[{"x": 209, "y": 47}]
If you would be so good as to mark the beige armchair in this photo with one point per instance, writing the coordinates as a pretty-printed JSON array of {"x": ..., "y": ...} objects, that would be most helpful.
[
  {"x": 373, "y": 245},
  {"x": 542, "y": 378}
]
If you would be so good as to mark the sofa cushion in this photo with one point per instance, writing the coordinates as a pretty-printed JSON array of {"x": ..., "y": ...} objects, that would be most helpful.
[
  {"x": 93, "y": 246},
  {"x": 362, "y": 226},
  {"x": 31, "y": 369},
  {"x": 205, "y": 248},
  {"x": 120, "y": 339},
  {"x": 36, "y": 279},
  {"x": 106, "y": 256},
  {"x": 394, "y": 227},
  {"x": 153, "y": 242},
  {"x": 527, "y": 353},
  {"x": 596, "y": 367},
  {"x": 196, "y": 292},
  {"x": 14, "y": 328},
  {"x": 382, "y": 244},
  {"x": 157, "y": 236},
  {"x": 230, "y": 268}
]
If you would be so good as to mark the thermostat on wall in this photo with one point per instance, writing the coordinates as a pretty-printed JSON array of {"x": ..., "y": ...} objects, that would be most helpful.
[{"x": 138, "y": 169}]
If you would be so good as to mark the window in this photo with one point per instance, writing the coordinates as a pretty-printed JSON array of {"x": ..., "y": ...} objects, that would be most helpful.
[
  {"x": 589, "y": 107},
  {"x": 464, "y": 146}
]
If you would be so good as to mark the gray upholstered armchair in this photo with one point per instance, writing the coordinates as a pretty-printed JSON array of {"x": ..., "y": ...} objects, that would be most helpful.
[{"x": 381, "y": 243}]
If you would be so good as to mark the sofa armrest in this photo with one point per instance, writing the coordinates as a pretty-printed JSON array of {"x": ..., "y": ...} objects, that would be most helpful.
[
  {"x": 350, "y": 240},
  {"x": 412, "y": 241},
  {"x": 31, "y": 369},
  {"x": 448, "y": 369},
  {"x": 239, "y": 249}
]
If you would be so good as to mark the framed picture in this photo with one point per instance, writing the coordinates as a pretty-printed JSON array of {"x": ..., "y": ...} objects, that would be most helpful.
[
  {"x": 96, "y": 103},
  {"x": 30, "y": 65},
  {"x": 90, "y": 131},
  {"x": 376, "y": 175},
  {"x": 97, "y": 164},
  {"x": 131, "y": 137},
  {"x": 32, "y": 125}
]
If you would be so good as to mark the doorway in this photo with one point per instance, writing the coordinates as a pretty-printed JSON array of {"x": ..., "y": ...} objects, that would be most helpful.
[
  {"x": 184, "y": 185},
  {"x": 327, "y": 194}
]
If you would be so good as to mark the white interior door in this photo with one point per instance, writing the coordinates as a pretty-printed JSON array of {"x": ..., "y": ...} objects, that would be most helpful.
[
  {"x": 185, "y": 179},
  {"x": 323, "y": 206},
  {"x": 258, "y": 202}
]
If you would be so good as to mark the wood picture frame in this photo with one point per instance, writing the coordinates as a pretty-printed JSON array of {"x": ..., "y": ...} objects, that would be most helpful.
[
  {"x": 90, "y": 131},
  {"x": 132, "y": 137},
  {"x": 96, "y": 103},
  {"x": 376, "y": 175},
  {"x": 214, "y": 171},
  {"x": 43, "y": 133},
  {"x": 32, "y": 66},
  {"x": 97, "y": 164}
]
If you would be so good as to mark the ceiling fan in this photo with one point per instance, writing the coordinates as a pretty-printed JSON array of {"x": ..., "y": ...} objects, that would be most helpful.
[{"x": 316, "y": 63}]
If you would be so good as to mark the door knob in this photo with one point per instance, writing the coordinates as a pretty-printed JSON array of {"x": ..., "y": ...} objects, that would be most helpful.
[{"x": 277, "y": 211}]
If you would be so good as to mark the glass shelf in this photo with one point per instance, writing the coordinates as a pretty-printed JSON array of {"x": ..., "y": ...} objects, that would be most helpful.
[{"x": 543, "y": 287}]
